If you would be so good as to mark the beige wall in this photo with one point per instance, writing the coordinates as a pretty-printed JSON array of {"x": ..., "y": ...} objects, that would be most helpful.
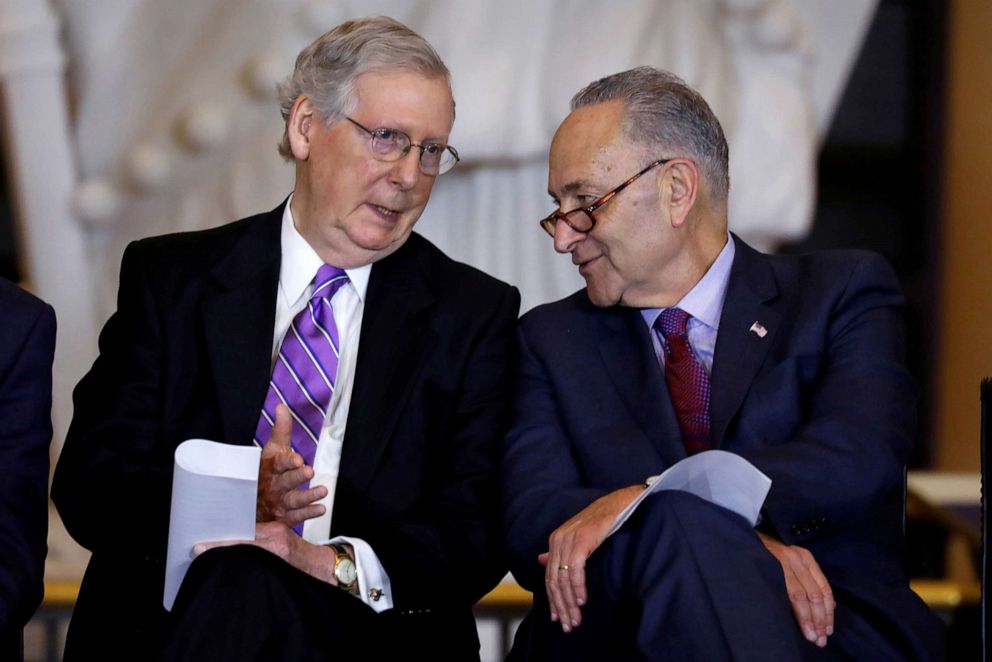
[{"x": 965, "y": 317}]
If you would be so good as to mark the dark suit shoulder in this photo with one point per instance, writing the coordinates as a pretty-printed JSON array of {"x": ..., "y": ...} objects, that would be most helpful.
[
  {"x": 448, "y": 277},
  {"x": 21, "y": 310},
  {"x": 563, "y": 315},
  {"x": 202, "y": 250},
  {"x": 14, "y": 298},
  {"x": 836, "y": 261},
  {"x": 812, "y": 274}
]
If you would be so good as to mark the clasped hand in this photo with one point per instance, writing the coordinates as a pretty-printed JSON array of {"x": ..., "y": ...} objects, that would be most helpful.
[
  {"x": 572, "y": 543},
  {"x": 280, "y": 474},
  {"x": 281, "y": 505}
]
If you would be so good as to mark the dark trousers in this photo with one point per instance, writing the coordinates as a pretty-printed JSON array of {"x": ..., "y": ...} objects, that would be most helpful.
[
  {"x": 243, "y": 603},
  {"x": 686, "y": 580}
]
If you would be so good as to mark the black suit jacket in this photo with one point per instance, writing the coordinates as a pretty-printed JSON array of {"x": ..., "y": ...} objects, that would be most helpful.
[
  {"x": 27, "y": 347},
  {"x": 187, "y": 354},
  {"x": 821, "y": 403}
]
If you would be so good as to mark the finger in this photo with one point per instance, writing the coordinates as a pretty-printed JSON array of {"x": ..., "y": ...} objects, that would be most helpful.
[
  {"x": 551, "y": 589},
  {"x": 302, "y": 498},
  {"x": 299, "y": 515},
  {"x": 283, "y": 429},
  {"x": 570, "y": 615},
  {"x": 825, "y": 594},
  {"x": 542, "y": 558},
  {"x": 577, "y": 577},
  {"x": 800, "y": 606},
  {"x": 291, "y": 480},
  {"x": 814, "y": 599},
  {"x": 555, "y": 600},
  {"x": 283, "y": 460},
  {"x": 575, "y": 585}
]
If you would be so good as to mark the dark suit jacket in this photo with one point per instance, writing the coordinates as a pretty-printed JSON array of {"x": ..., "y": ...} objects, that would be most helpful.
[
  {"x": 27, "y": 347},
  {"x": 822, "y": 404},
  {"x": 187, "y": 354}
]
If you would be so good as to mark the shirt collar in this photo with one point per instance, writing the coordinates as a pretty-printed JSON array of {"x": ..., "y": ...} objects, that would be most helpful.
[
  {"x": 704, "y": 302},
  {"x": 300, "y": 263}
]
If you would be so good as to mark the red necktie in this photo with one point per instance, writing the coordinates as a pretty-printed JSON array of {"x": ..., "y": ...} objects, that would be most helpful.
[{"x": 688, "y": 383}]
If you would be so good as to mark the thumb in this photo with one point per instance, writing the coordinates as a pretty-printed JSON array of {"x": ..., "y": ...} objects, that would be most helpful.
[{"x": 283, "y": 429}]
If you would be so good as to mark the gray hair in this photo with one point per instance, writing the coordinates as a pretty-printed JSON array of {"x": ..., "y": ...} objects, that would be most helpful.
[
  {"x": 327, "y": 69},
  {"x": 663, "y": 112}
]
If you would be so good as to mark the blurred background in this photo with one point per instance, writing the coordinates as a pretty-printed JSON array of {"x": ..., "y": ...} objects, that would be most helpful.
[{"x": 852, "y": 123}]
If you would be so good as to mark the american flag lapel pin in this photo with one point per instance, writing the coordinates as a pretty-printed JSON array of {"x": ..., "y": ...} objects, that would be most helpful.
[{"x": 759, "y": 330}]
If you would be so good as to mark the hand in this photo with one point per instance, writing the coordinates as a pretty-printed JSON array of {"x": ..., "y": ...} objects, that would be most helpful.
[
  {"x": 280, "y": 474},
  {"x": 809, "y": 592},
  {"x": 568, "y": 548},
  {"x": 277, "y": 538}
]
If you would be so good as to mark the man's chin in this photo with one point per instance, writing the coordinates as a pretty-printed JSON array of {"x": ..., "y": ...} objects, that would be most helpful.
[{"x": 600, "y": 297}]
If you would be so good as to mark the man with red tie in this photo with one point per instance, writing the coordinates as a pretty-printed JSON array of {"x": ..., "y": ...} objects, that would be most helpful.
[
  {"x": 686, "y": 339},
  {"x": 373, "y": 370}
]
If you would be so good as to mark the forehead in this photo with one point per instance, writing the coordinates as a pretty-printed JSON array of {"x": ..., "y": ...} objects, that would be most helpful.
[
  {"x": 410, "y": 101},
  {"x": 589, "y": 143}
]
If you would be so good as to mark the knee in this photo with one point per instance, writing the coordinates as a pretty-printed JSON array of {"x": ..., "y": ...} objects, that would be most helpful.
[
  {"x": 227, "y": 574},
  {"x": 233, "y": 561}
]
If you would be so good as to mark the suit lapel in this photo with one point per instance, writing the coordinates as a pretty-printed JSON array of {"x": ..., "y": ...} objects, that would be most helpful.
[
  {"x": 394, "y": 338},
  {"x": 238, "y": 323},
  {"x": 628, "y": 356},
  {"x": 740, "y": 349}
]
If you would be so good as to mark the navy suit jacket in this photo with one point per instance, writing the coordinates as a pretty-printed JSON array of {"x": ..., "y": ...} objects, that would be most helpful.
[
  {"x": 821, "y": 404},
  {"x": 27, "y": 347},
  {"x": 188, "y": 354}
]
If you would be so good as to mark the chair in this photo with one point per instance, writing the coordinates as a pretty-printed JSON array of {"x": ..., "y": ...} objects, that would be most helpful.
[{"x": 986, "y": 449}]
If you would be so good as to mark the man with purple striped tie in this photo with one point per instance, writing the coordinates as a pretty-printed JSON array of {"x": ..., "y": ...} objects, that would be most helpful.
[
  {"x": 373, "y": 370},
  {"x": 686, "y": 339}
]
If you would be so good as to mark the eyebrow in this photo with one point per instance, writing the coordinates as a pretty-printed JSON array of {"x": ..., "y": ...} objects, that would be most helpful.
[{"x": 570, "y": 187}]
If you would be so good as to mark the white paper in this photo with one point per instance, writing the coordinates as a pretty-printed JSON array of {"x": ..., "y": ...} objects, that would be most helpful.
[
  {"x": 723, "y": 478},
  {"x": 214, "y": 488}
]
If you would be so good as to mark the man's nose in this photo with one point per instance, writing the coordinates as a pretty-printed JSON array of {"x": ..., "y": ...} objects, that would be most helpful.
[
  {"x": 406, "y": 170},
  {"x": 566, "y": 238}
]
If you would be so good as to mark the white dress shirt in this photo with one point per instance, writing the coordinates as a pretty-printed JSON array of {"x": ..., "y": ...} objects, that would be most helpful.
[{"x": 298, "y": 267}]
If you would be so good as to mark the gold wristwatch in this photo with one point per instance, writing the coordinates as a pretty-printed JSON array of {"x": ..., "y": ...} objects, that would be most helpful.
[{"x": 345, "y": 570}]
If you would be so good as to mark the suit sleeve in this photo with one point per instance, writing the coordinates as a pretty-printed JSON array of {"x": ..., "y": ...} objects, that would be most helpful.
[
  {"x": 113, "y": 478},
  {"x": 847, "y": 457},
  {"x": 542, "y": 485},
  {"x": 25, "y": 409}
]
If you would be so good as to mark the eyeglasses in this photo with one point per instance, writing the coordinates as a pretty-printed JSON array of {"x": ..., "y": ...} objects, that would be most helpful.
[
  {"x": 581, "y": 219},
  {"x": 392, "y": 145}
]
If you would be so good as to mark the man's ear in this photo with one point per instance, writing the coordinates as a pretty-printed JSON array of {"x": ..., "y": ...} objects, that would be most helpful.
[
  {"x": 681, "y": 187},
  {"x": 300, "y": 127}
]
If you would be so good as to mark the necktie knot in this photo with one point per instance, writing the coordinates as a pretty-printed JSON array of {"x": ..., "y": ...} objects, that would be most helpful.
[
  {"x": 327, "y": 281},
  {"x": 672, "y": 322}
]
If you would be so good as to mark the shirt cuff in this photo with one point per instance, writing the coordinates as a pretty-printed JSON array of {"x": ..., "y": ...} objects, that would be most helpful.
[{"x": 374, "y": 588}]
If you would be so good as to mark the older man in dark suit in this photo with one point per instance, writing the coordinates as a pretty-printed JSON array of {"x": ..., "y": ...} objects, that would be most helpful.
[
  {"x": 27, "y": 348},
  {"x": 686, "y": 339},
  {"x": 373, "y": 369}
]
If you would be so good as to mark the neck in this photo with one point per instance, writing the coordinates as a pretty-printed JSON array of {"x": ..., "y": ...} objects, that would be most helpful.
[{"x": 693, "y": 259}]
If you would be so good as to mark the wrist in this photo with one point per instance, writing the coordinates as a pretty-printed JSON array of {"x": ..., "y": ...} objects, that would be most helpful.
[{"x": 344, "y": 569}]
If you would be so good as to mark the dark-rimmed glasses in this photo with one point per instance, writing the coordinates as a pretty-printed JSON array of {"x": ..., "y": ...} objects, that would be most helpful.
[
  {"x": 392, "y": 145},
  {"x": 581, "y": 219}
]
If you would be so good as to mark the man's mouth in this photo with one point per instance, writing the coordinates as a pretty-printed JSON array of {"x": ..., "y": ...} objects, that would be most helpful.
[
  {"x": 585, "y": 265},
  {"x": 385, "y": 212}
]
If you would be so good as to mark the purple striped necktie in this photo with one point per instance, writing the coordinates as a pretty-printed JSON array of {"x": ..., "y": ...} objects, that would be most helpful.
[
  {"x": 305, "y": 368},
  {"x": 688, "y": 383}
]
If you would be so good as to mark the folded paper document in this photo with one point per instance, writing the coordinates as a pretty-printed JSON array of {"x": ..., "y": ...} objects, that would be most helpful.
[
  {"x": 720, "y": 477},
  {"x": 214, "y": 487}
]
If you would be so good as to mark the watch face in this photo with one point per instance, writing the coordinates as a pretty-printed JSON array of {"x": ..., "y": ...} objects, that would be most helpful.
[{"x": 345, "y": 572}]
